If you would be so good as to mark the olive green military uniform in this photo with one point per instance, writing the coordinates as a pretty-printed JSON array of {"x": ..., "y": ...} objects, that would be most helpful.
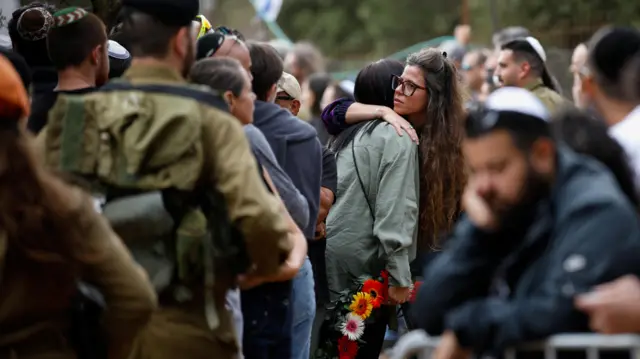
[
  {"x": 37, "y": 289},
  {"x": 206, "y": 146},
  {"x": 153, "y": 140},
  {"x": 551, "y": 99}
]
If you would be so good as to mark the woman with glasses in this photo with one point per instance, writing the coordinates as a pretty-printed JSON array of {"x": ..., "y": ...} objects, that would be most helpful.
[{"x": 393, "y": 196}]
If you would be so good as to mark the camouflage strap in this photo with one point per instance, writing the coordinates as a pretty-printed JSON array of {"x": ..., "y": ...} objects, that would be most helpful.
[
  {"x": 72, "y": 137},
  {"x": 210, "y": 97},
  {"x": 194, "y": 254},
  {"x": 210, "y": 311}
]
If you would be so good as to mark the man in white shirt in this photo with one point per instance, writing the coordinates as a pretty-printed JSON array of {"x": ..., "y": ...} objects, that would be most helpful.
[{"x": 611, "y": 51}]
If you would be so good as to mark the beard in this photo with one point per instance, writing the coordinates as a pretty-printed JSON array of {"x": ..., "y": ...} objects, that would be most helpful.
[{"x": 521, "y": 214}]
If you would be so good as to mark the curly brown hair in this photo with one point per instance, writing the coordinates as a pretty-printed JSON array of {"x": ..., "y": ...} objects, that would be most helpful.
[{"x": 442, "y": 174}]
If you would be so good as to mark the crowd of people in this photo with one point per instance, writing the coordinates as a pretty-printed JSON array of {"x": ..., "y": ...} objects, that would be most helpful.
[{"x": 171, "y": 189}]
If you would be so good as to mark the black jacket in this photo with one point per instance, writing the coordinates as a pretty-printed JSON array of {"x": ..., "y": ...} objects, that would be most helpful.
[{"x": 496, "y": 291}]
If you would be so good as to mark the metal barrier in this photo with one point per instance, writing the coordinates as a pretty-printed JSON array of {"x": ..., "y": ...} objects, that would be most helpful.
[{"x": 418, "y": 343}]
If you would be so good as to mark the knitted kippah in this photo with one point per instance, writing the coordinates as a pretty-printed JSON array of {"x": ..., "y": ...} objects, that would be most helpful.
[
  {"x": 69, "y": 15},
  {"x": 34, "y": 24}
]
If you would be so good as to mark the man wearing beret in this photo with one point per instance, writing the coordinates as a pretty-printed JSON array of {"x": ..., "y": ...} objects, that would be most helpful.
[{"x": 152, "y": 90}]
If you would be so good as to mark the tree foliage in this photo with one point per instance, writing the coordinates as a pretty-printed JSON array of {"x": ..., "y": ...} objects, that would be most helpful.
[
  {"x": 346, "y": 28},
  {"x": 365, "y": 29},
  {"x": 349, "y": 28}
]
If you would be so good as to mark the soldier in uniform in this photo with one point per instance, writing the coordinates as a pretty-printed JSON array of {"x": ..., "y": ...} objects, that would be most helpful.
[
  {"x": 182, "y": 141},
  {"x": 522, "y": 63}
]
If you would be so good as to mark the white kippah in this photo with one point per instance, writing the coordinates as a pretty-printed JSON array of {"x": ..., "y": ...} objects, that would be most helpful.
[
  {"x": 537, "y": 47},
  {"x": 515, "y": 99},
  {"x": 117, "y": 51}
]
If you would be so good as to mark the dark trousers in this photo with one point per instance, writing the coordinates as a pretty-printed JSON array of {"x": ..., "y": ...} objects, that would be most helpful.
[
  {"x": 374, "y": 334},
  {"x": 267, "y": 321}
]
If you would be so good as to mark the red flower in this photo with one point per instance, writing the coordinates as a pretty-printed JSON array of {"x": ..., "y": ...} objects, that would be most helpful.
[
  {"x": 385, "y": 283},
  {"x": 376, "y": 291},
  {"x": 414, "y": 292},
  {"x": 347, "y": 349},
  {"x": 385, "y": 276}
]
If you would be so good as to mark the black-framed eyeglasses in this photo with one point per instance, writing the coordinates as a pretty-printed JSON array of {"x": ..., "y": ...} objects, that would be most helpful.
[{"x": 408, "y": 88}]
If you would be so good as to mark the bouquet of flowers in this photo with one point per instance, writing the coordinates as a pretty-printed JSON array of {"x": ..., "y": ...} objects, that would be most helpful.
[{"x": 348, "y": 316}]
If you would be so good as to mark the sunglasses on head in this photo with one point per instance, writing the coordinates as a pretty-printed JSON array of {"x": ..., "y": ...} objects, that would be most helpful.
[{"x": 229, "y": 32}]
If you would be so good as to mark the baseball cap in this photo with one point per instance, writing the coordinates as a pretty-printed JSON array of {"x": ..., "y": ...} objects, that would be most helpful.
[
  {"x": 290, "y": 85},
  {"x": 508, "y": 107},
  {"x": 14, "y": 103}
]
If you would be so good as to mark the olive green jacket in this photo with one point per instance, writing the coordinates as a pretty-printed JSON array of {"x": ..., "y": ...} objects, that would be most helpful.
[
  {"x": 551, "y": 99},
  {"x": 160, "y": 140}
]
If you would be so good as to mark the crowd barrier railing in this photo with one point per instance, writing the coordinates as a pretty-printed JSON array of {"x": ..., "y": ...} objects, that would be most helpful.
[{"x": 418, "y": 343}]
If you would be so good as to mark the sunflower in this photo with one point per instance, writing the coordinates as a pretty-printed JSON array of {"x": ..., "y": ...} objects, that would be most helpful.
[
  {"x": 347, "y": 349},
  {"x": 375, "y": 290},
  {"x": 352, "y": 327},
  {"x": 362, "y": 305}
]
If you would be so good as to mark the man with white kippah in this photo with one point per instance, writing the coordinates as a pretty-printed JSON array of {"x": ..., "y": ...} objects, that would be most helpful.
[
  {"x": 522, "y": 63},
  {"x": 543, "y": 225},
  {"x": 119, "y": 59}
]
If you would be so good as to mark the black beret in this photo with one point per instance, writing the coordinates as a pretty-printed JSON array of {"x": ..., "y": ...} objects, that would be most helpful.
[{"x": 169, "y": 12}]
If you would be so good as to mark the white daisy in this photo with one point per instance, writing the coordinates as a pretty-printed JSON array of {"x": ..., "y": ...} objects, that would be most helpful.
[{"x": 352, "y": 327}]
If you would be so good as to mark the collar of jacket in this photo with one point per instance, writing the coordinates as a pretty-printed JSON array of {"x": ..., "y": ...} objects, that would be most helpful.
[
  {"x": 153, "y": 73},
  {"x": 534, "y": 84}
]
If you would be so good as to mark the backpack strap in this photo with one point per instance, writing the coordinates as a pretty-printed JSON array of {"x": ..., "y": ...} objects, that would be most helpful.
[
  {"x": 72, "y": 140},
  {"x": 211, "y": 98}
]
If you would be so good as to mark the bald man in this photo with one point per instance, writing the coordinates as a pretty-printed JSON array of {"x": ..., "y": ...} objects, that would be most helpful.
[{"x": 578, "y": 61}]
